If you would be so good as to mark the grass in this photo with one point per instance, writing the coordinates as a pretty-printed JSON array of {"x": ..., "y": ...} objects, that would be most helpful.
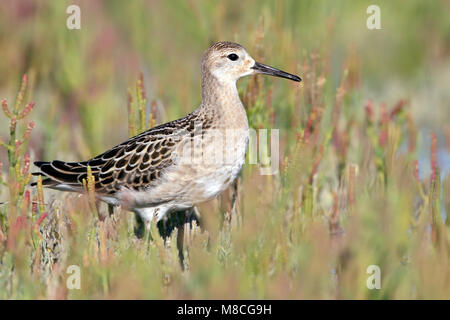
[{"x": 362, "y": 181}]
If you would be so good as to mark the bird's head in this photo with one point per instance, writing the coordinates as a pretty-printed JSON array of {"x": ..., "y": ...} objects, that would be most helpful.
[{"x": 228, "y": 61}]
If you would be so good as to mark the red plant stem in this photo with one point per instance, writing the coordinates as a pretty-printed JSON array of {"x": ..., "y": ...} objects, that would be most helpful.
[
  {"x": 21, "y": 94},
  {"x": 141, "y": 86},
  {"x": 397, "y": 109},
  {"x": 26, "y": 164},
  {"x": 26, "y": 110},
  {"x": 309, "y": 124},
  {"x": 41, "y": 218},
  {"x": 5, "y": 108},
  {"x": 316, "y": 164},
  {"x": 369, "y": 111},
  {"x": 27, "y": 134}
]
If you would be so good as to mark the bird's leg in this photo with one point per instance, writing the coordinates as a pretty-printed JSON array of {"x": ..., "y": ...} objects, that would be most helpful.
[
  {"x": 234, "y": 202},
  {"x": 180, "y": 245},
  {"x": 139, "y": 229},
  {"x": 110, "y": 209},
  {"x": 101, "y": 215},
  {"x": 178, "y": 219}
]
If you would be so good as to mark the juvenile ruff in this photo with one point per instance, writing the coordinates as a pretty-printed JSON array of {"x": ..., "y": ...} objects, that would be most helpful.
[{"x": 179, "y": 164}]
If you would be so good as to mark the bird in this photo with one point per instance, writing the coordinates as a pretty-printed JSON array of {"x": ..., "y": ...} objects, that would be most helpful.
[{"x": 179, "y": 164}]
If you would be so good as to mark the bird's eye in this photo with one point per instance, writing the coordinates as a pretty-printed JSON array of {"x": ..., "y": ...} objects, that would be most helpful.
[{"x": 233, "y": 57}]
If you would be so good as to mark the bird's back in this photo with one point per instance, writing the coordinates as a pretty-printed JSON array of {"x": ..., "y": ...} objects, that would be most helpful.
[{"x": 137, "y": 163}]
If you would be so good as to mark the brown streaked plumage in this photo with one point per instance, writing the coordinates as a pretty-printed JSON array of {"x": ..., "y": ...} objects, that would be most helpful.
[{"x": 158, "y": 170}]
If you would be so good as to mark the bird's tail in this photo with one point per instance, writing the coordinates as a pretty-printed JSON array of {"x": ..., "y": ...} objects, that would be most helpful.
[{"x": 61, "y": 175}]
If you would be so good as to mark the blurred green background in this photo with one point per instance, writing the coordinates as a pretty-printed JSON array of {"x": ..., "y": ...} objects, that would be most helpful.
[
  {"x": 79, "y": 81},
  {"x": 80, "y": 76}
]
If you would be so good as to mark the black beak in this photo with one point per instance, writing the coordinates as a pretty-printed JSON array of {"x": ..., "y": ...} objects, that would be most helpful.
[{"x": 265, "y": 69}]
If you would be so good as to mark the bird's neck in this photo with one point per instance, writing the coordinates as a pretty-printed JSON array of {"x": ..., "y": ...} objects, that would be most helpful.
[
  {"x": 223, "y": 98},
  {"x": 218, "y": 92}
]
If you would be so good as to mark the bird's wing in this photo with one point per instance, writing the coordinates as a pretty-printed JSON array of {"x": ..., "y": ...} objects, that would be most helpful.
[{"x": 136, "y": 163}]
